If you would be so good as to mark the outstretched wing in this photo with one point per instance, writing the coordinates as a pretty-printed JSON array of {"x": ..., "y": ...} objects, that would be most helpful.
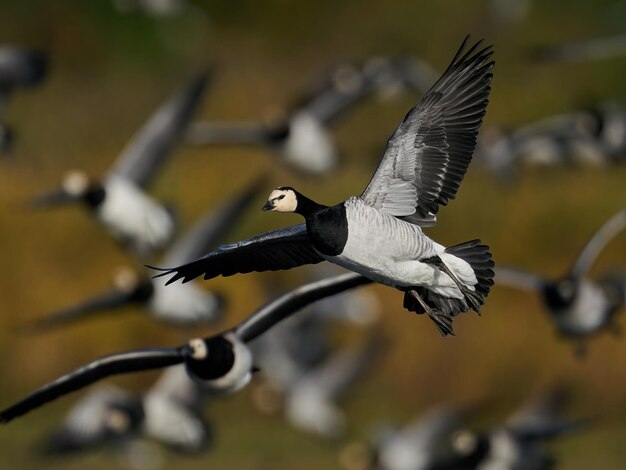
[
  {"x": 283, "y": 306},
  {"x": 285, "y": 248},
  {"x": 122, "y": 363},
  {"x": 429, "y": 152},
  {"x": 148, "y": 149},
  {"x": 600, "y": 239}
]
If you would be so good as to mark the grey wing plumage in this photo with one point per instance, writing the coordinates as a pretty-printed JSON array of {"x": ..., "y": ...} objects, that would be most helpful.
[
  {"x": 281, "y": 307},
  {"x": 149, "y": 147},
  {"x": 284, "y": 248},
  {"x": 428, "y": 154},
  {"x": 210, "y": 229},
  {"x": 121, "y": 363},
  {"x": 600, "y": 239},
  {"x": 519, "y": 279}
]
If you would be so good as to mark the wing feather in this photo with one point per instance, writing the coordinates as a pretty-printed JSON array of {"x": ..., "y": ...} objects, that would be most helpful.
[
  {"x": 150, "y": 146},
  {"x": 122, "y": 363},
  {"x": 284, "y": 248},
  {"x": 427, "y": 156}
]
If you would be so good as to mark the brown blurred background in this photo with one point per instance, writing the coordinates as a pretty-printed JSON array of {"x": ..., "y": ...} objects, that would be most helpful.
[{"x": 108, "y": 73}]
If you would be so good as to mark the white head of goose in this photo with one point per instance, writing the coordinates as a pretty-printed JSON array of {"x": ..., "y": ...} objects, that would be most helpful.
[{"x": 379, "y": 233}]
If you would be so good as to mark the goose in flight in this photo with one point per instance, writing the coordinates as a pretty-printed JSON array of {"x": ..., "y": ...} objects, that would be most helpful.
[
  {"x": 519, "y": 442},
  {"x": 379, "y": 234},
  {"x": 578, "y": 306},
  {"x": 171, "y": 412},
  {"x": 222, "y": 363},
  {"x": 300, "y": 135},
  {"x": 414, "y": 446},
  {"x": 311, "y": 403},
  {"x": 590, "y": 137},
  {"x": 186, "y": 304},
  {"x": 119, "y": 201}
]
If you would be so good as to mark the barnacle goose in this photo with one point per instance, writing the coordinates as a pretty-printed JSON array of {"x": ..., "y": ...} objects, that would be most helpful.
[
  {"x": 578, "y": 306},
  {"x": 119, "y": 200},
  {"x": 170, "y": 412},
  {"x": 300, "y": 134},
  {"x": 222, "y": 363},
  {"x": 186, "y": 305},
  {"x": 379, "y": 234}
]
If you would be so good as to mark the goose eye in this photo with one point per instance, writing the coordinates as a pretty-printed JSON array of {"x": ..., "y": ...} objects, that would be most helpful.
[{"x": 282, "y": 196}]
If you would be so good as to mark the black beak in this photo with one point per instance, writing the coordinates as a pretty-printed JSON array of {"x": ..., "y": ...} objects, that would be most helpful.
[
  {"x": 269, "y": 205},
  {"x": 101, "y": 303},
  {"x": 53, "y": 198}
]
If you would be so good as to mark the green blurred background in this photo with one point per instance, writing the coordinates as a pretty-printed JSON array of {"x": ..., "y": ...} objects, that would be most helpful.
[{"x": 110, "y": 71}]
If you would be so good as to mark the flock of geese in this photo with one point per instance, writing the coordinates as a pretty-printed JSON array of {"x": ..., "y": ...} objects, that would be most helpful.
[{"x": 376, "y": 237}]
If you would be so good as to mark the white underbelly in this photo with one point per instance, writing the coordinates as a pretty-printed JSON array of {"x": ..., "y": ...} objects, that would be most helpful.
[
  {"x": 587, "y": 315},
  {"x": 133, "y": 216}
]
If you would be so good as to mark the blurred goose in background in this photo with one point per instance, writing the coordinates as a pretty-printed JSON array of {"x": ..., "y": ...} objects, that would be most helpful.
[
  {"x": 170, "y": 412},
  {"x": 19, "y": 68},
  {"x": 379, "y": 234},
  {"x": 106, "y": 415},
  {"x": 311, "y": 402},
  {"x": 415, "y": 446},
  {"x": 185, "y": 304},
  {"x": 222, "y": 363},
  {"x": 592, "y": 137},
  {"x": 578, "y": 306},
  {"x": 518, "y": 444},
  {"x": 581, "y": 51},
  {"x": 300, "y": 134},
  {"x": 300, "y": 344},
  {"x": 119, "y": 201}
]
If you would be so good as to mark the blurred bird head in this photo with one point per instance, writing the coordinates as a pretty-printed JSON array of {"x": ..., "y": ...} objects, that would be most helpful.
[
  {"x": 467, "y": 444},
  {"x": 222, "y": 364},
  {"x": 76, "y": 187},
  {"x": 123, "y": 418},
  {"x": 560, "y": 294},
  {"x": 128, "y": 281}
]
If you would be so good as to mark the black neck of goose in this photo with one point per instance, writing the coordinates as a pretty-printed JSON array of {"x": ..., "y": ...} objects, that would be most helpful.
[
  {"x": 95, "y": 195},
  {"x": 307, "y": 207},
  {"x": 219, "y": 361}
]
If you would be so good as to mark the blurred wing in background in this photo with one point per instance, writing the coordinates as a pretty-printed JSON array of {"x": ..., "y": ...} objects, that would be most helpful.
[
  {"x": 146, "y": 152},
  {"x": 283, "y": 306},
  {"x": 598, "y": 242},
  {"x": 122, "y": 363},
  {"x": 518, "y": 279}
]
